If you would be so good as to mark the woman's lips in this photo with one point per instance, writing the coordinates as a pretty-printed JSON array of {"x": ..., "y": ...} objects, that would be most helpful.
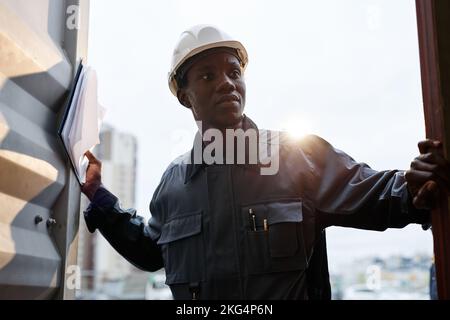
[
  {"x": 229, "y": 98},
  {"x": 229, "y": 105}
]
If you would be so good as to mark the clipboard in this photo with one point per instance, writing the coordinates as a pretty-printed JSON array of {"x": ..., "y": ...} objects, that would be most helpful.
[{"x": 79, "y": 127}]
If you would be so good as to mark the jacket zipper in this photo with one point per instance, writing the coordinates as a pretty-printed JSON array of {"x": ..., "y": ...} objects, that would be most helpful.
[{"x": 236, "y": 229}]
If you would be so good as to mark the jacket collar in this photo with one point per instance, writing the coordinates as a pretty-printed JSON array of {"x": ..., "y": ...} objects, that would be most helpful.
[{"x": 193, "y": 168}]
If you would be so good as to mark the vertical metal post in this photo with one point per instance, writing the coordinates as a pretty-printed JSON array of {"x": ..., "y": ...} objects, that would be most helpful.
[{"x": 433, "y": 21}]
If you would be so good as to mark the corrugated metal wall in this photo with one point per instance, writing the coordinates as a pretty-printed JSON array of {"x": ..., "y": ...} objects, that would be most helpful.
[{"x": 38, "y": 49}]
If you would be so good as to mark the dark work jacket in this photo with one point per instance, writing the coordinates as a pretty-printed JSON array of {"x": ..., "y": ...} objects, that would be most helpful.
[{"x": 225, "y": 231}]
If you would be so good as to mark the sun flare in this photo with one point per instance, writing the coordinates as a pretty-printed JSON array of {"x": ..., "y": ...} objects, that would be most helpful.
[{"x": 298, "y": 127}]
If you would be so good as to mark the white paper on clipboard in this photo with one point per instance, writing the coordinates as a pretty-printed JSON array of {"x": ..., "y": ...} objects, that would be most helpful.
[{"x": 80, "y": 130}]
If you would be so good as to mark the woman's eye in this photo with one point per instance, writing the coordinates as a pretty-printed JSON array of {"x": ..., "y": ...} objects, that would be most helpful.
[
  {"x": 236, "y": 74},
  {"x": 207, "y": 76}
]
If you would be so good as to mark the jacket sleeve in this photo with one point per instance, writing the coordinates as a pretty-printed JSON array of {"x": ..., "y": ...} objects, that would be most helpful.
[
  {"x": 124, "y": 230},
  {"x": 351, "y": 194}
]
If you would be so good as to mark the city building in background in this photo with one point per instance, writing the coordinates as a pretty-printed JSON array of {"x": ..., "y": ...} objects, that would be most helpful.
[
  {"x": 396, "y": 277},
  {"x": 106, "y": 274}
]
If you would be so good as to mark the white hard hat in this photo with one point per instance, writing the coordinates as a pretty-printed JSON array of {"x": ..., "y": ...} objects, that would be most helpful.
[{"x": 197, "y": 39}]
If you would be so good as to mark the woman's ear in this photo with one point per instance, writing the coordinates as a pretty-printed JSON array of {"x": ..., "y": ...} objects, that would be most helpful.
[{"x": 183, "y": 98}]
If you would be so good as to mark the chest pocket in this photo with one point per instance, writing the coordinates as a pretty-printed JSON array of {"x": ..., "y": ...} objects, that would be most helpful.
[
  {"x": 274, "y": 236},
  {"x": 182, "y": 247}
]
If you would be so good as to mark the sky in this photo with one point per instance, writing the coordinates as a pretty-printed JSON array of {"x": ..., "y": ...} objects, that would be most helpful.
[{"x": 345, "y": 70}]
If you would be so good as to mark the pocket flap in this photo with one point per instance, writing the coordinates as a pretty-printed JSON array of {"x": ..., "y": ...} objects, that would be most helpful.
[
  {"x": 284, "y": 212},
  {"x": 181, "y": 227}
]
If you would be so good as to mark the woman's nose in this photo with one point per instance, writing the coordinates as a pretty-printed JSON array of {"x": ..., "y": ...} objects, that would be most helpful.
[{"x": 226, "y": 84}]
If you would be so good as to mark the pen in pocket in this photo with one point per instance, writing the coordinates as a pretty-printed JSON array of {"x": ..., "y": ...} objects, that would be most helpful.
[{"x": 252, "y": 218}]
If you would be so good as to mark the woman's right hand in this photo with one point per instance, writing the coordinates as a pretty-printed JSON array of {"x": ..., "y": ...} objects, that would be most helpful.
[{"x": 93, "y": 176}]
